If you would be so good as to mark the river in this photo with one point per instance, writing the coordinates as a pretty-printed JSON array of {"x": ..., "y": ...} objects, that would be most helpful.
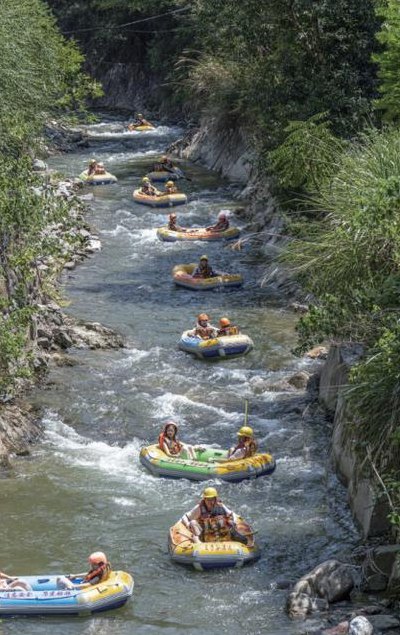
[{"x": 83, "y": 489}]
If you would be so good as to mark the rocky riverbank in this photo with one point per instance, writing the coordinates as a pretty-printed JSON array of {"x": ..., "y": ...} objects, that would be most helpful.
[{"x": 51, "y": 331}]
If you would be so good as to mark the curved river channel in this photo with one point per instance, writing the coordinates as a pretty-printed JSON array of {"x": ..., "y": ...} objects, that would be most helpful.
[{"x": 83, "y": 487}]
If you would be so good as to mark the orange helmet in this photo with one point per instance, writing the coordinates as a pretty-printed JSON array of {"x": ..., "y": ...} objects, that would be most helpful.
[
  {"x": 97, "y": 557},
  {"x": 203, "y": 317},
  {"x": 224, "y": 322}
]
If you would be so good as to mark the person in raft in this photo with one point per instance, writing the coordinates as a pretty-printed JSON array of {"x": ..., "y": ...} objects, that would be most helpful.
[
  {"x": 246, "y": 445},
  {"x": 147, "y": 188},
  {"x": 10, "y": 583},
  {"x": 92, "y": 167},
  {"x": 222, "y": 223},
  {"x": 164, "y": 165},
  {"x": 203, "y": 328},
  {"x": 99, "y": 571},
  {"x": 203, "y": 269},
  {"x": 99, "y": 168},
  {"x": 211, "y": 520},
  {"x": 140, "y": 121},
  {"x": 170, "y": 188},
  {"x": 169, "y": 444},
  {"x": 226, "y": 328},
  {"x": 172, "y": 226}
]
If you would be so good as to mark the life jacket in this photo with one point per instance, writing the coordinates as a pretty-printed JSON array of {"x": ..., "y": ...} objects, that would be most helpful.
[
  {"x": 102, "y": 572},
  {"x": 249, "y": 445},
  {"x": 203, "y": 272},
  {"x": 205, "y": 332},
  {"x": 172, "y": 225},
  {"x": 220, "y": 226},
  {"x": 174, "y": 446},
  {"x": 216, "y": 525},
  {"x": 228, "y": 330},
  {"x": 147, "y": 189}
]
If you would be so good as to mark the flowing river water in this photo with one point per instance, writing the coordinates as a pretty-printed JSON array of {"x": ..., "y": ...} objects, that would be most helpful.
[{"x": 83, "y": 487}]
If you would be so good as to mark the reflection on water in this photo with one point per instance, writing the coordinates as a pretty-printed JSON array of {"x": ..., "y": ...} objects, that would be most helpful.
[{"x": 84, "y": 489}]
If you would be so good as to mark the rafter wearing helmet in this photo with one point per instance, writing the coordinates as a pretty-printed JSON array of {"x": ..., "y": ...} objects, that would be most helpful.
[
  {"x": 204, "y": 269},
  {"x": 222, "y": 223},
  {"x": 246, "y": 445},
  {"x": 210, "y": 520},
  {"x": 203, "y": 328},
  {"x": 226, "y": 328}
]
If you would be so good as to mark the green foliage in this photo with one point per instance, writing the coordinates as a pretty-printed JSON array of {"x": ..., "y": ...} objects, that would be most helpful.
[
  {"x": 307, "y": 156},
  {"x": 350, "y": 262},
  {"x": 388, "y": 59}
]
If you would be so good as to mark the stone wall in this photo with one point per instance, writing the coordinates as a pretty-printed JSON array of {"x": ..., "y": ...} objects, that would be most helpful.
[{"x": 370, "y": 510}]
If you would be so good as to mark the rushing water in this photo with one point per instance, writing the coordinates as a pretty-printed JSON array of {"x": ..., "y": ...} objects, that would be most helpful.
[{"x": 83, "y": 487}]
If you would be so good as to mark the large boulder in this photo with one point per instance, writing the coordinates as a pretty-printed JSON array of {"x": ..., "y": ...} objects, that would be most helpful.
[{"x": 331, "y": 581}]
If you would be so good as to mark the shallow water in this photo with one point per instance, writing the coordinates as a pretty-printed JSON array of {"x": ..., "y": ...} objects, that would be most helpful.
[{"x": 83, "y": 487}]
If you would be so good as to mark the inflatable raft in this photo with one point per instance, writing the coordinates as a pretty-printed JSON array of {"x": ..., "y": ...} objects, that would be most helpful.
[
  {"x": 165, "y": 200},
  {"x": 182, "y": 275},
  {"x": 212, "y": 555},
  {"x": 143, "y": 128},
  {"x": 47, "y": 599},
  {"x": 207, "y": 465},
  {"x": 98, "y": 179},
  {"x": 197, "y": 233},
  {"x": 216, "y": 348},
  {"x": 159, "y": 176}
]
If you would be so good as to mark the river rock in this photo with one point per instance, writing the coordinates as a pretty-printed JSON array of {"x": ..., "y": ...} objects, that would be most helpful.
[
  {"x": 94, "y": 244},
  {"x": 318, "y": 352},
  {"x": 340, "y": 629},
  {"x": 94, "y": 335},
  {"x": 39, "y": 166},
  {"x": 299, "y": 380},
  {"x": 331, "y": 581},
  {"x": 385, "y": 622},
  {"x": 62, "y": 339}
]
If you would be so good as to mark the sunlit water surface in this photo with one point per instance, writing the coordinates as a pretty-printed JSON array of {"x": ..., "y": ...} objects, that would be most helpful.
[{"x": 83, "y": 487}]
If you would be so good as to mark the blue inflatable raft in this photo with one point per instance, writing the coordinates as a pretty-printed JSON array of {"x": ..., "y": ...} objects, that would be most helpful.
[
  {"x": 46, "y": 598},
  {"x": 216, "y": 348}
]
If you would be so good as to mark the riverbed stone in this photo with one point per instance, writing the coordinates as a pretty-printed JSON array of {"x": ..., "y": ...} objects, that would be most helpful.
[
  {"x": 382, "y": 623},
  {"x": 62, "y": 339},
  {"x": 331, "y": 580},
  {"x": 39, "y": 166},
  {"x": 299, "y": 380}
]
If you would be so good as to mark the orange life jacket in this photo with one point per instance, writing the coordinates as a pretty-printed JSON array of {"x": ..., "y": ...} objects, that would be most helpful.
[
  {"x": 102, "y": 572},
  {"x": 205, "y": 332},
  {"x": 174, "y": 446},
  {"x": 216, "y": 525}
]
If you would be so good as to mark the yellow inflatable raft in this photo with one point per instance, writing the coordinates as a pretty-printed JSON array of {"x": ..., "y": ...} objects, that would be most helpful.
[
  {"x": 163, "y": 200},
  {"x": 196, "y": 233},
  {"x": 212, "y": 555},
  {"x": 143, "y": 128},
  {"x": 98, "y": 179},
  {"x": 182, "y": 275}
]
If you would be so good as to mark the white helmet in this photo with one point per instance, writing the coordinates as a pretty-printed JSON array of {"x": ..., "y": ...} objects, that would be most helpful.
[{"x": 224, "y": 213}]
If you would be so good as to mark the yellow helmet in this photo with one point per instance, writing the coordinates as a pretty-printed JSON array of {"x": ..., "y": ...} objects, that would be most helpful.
[
  {"x": 145, "y": 179},
  {"x": 139, "y": 115},
  {"x": 204, "y": 257},
  {"x": 164, "y": 157},
  {"x": 210, "y": 492},
  {"x": 92, "y": 161},
  {"x": 246, "y": 431},
  {"x": 169, "y": 183}
]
